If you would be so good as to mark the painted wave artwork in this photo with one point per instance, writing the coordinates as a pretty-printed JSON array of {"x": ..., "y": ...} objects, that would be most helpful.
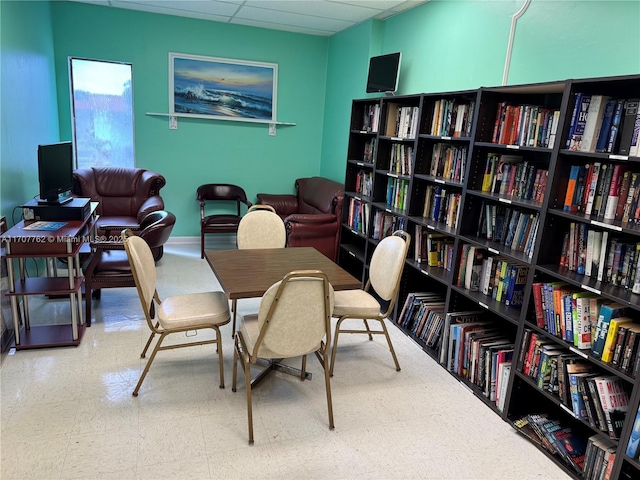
[{"x": 223, "y": 89}]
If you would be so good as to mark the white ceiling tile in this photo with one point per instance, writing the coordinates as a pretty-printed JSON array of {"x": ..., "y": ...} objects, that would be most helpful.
[
  {"x": 313, "y": 17},
  {"x": 286, "y": 28},
  {"x": 292, "y": 19},
  {"x": 208, "y": 7},
  {"x": 317, "y": 8},
  {"x": 407, "y": 5}
]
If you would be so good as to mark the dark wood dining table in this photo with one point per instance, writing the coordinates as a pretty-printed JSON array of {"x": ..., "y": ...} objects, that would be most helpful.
[{"x": 249, "y": 273}]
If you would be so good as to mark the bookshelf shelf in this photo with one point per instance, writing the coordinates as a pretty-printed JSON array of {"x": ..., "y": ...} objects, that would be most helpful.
[{"x": 529, "y": 129}]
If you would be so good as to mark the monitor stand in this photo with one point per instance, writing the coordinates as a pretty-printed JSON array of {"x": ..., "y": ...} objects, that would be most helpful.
[{"x": 59, "y": 201}]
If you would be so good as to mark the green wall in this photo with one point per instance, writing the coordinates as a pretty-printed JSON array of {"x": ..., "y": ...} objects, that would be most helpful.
[
  {"x": 29, "y": 110},
  {"x": 450, "y": 45},
  {"x": 202, "y": 151},
  {"x": 447, "y": 45}
]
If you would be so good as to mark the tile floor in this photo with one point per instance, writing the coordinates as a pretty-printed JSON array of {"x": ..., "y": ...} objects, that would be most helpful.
[{"x": 68, "y": 413}]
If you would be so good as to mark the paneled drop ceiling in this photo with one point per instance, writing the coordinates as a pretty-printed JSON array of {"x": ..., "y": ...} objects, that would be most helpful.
[{"x": 312, "y": 17}]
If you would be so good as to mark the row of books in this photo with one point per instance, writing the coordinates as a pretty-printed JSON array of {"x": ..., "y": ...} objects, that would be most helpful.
[
  {"x": 509, "y": 175},
  {"x": 605, "y": 190},
  {"x": 358, "y": 218},
  {"x": 513, "y": 228},
  {"x": 369, "y": 148},
  {"x": 598, "y": 255},
  {"x": 401, "y": 159},
  {"x": 600, "y": 457},
  {"x": 481, "y": 353},
  {"x": 397, "y": 195},
  {"x": 402, "y": 121},
  {"x": 452, "y": 118},
  {"x": 371, "y": 118},
  {"x": 557, "y": 439},
  {"x": 525, "y": 125},
  {"x": 448, "y": 162},
  {"x": 384, "y": 224},
  {"x": 433, "y": 249},
  {"x": 440, "y": 206},
  {"x": 423, "y": 316},
  {"x": 499, "y": 278},
  {"x": 603, "y": 124},
  {"x": 364, "y": 183},
  {"x": 564, "y": 311},
  {"x": 597, "y": 398}
]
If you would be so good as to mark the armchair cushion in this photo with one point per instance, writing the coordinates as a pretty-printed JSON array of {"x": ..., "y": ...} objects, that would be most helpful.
[
  {"x": 312, "y": 216},
  {"x": 125, "y": 195},
  {"x": 284, "y": 204}
]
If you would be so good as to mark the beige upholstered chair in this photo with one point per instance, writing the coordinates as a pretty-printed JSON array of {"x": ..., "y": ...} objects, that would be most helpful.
[
  {"x": 294, "y": 319},
  {"x": 385, "y": 271},
  {"x": 261, "y": 227},
  {"x": 176, "y": 314}
]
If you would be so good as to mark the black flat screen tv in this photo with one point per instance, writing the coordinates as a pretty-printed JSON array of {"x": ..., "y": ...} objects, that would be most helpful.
[
  {"x": 55, "y": 172},
  {"x": 384, "y": 71}
]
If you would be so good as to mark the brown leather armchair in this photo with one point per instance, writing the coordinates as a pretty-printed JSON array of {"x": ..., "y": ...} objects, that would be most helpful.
[
  {"x": 312, "y": 216},
  {"x": 108, "y": 265},
  {"x": 125, "y": 196}
]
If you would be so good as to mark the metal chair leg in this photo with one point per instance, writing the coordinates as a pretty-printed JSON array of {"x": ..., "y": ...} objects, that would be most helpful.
[
  {"x": 335, "y": 347},
  {"x": 234, "y": 309},
  {"x": 393, "y": 352},
  {"x": 219, "y": 349},
  {"x": 148, "y": 365},
  {"x": 247, "y": 377}
]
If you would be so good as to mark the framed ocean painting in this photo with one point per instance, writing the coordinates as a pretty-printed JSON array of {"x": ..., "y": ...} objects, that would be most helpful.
[{"x": 222, "y": 88}]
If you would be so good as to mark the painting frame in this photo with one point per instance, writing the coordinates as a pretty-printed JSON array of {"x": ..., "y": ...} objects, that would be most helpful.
[{"x": 222, "y": 88}]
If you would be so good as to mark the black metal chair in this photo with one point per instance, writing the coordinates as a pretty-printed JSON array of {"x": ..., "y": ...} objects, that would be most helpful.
[{"x": 223, "y": 194}]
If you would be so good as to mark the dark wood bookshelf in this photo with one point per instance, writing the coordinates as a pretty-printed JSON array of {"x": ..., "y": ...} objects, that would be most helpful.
[{"x": 475, "y": 138}]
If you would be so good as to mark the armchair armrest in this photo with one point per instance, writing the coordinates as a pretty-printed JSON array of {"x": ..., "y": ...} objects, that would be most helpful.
[
  {"x": 318, "y": 231},
  {"x": 151, "y": 204},
  {"x": 311, "y": 219},
  {"x": 112, "y": 232},
  {"x": 285, "y": 204}
]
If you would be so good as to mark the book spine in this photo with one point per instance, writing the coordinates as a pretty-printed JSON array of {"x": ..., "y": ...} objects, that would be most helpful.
[{"x": 615, "y": 126}]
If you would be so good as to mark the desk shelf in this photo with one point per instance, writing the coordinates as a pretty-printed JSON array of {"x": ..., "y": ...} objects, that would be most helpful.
[
  {"x": 45, "y": 336},
  {"x": 66, "y": 242},
  {"x": 45, "y": 286}
]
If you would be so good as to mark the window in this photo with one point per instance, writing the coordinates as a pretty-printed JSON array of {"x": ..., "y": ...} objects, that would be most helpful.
[{"x": 102, "y": 112}]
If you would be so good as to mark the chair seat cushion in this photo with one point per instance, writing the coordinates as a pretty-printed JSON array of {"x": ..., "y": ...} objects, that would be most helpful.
[
  {"x": 207, "y": 308},
  {"x": 112, "y": 262},
  {"x": 355, "y": 303},
  {"x": 120, "y": 221},
  {"x": 214, "y": 220},
  {"x": 250, "y": 330}
]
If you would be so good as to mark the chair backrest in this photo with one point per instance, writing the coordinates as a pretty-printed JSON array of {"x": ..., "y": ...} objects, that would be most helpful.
[
  {"x": 261, "y": 227},
  {"x": 221, "y": 191},
  {"x": 156, "y": 227},
  {"x": 295, "y": 314},
  {"x": 319, "y": 195},
  {"x": 143, "y": 268},
  {"x": 387, "y": 263},
  {"x": 120, "y": 191}
]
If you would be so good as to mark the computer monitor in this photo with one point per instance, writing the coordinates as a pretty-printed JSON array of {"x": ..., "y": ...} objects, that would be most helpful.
[
  {"x": 55, "y": 172},
  {"x": 384, "y": 71}
]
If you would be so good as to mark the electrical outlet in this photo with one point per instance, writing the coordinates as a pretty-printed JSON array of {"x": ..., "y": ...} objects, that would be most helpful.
[
  {"x": 272, "y": 129},
  {"x": 173, "y": 123}
]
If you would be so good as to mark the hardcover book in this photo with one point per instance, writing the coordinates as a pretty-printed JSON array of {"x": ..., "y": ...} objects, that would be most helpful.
[{"x": 575, "y": 139}]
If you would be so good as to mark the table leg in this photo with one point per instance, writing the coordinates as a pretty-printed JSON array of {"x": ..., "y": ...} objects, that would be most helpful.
[{"x": 274, "y": 364}]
